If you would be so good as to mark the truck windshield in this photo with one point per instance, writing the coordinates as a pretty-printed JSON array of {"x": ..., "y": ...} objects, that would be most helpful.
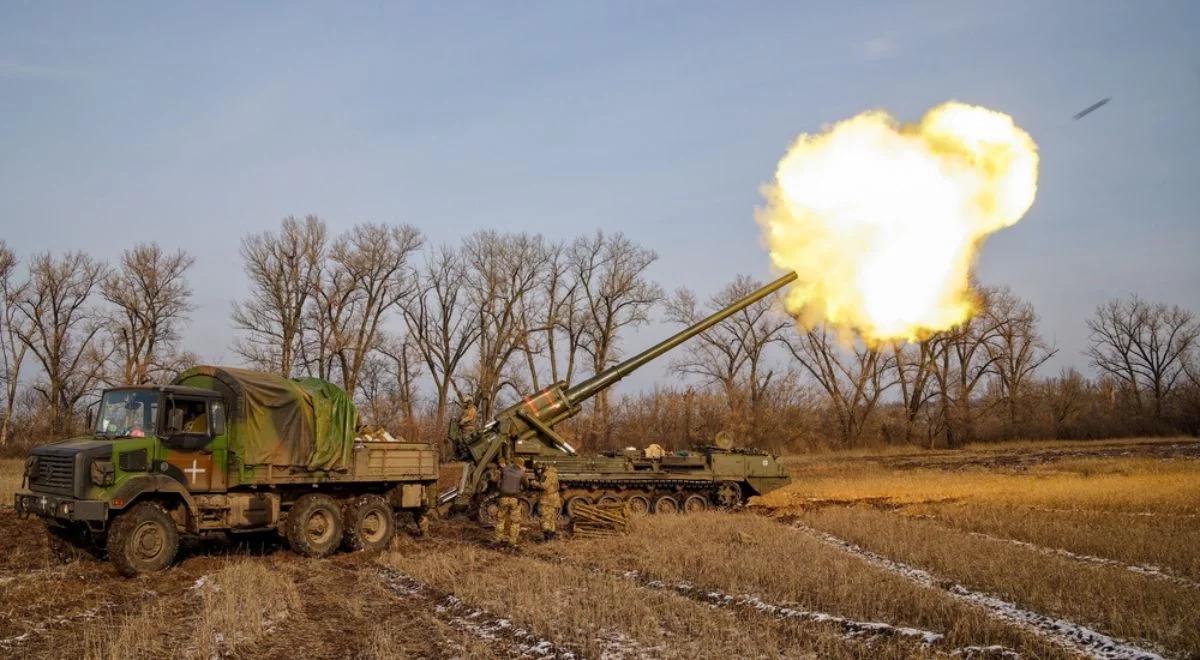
[{"x": 127, "y": 413}]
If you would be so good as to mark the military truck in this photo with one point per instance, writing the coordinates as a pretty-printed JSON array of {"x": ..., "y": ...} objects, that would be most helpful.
[
  {"x": 718, "y": 475},
  {"x": 224, "y": 450}
]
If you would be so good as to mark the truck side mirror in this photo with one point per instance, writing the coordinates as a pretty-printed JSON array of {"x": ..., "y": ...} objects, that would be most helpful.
[
  {"x": 218, "y": 418},
  {"x": 87, "y": 424},
  {"x": 175, "y": 421}
]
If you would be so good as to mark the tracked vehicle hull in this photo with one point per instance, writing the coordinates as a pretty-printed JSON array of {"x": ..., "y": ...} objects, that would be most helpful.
[{"x": 701, "y": 479}]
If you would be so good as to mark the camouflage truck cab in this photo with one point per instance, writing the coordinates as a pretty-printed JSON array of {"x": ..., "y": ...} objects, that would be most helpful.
[{"x": 224, "y": 450}]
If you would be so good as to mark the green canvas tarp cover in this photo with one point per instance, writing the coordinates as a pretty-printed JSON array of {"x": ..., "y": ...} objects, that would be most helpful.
[{"x": 306, "y": 422}]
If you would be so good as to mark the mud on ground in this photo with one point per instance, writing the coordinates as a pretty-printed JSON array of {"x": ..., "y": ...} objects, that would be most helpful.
[{"x": 889, "y": 564}]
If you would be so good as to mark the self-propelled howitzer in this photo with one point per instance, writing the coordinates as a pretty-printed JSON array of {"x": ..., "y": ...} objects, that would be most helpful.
[{"x": 705, "y": 476}]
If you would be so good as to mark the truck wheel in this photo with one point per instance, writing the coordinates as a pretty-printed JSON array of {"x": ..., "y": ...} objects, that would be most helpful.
[
  {"x": 369, "y": 524},
  {"x": 666, "y": 504},
  {"x": 143, "y": 539},
  {"x": 695, "y": 504},
  {"x": 639, "y": 504},
  {"x": 314, "y": 526}
]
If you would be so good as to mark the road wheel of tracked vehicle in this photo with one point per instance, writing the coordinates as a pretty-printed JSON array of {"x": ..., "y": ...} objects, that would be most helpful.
[
  {"x": 729, "y": 495},
  {"x": 526, "y": 509},
  {"x": 370, "y": 524},
  {"x": 639, "y": 504},
  {"x": 575, "y": 501},
  {"x": 488, "y": 511},
  {"x": 314, "y": 526},
  {"x": 143, "y": 539},
  {"x": 666, "y": 504},
  {"x": 609, "y": 499},
  {"x": 695, "y": 503}
]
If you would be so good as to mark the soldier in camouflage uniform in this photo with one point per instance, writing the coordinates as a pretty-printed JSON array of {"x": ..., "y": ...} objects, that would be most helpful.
[
  {"x": 549, "y": 503},
  {"x": 508, "y": 513}
]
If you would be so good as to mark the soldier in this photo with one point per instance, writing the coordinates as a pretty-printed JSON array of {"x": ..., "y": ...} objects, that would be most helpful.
[
  {"x": 508, "y": 514},
  {"x": 466, "y": 421},
  {"x": 421, "y": 519},
  {"x": 549, "y": 503}
]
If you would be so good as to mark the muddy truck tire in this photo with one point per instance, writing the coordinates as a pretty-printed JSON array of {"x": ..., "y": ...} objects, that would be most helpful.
[
  {"x": 314, "y": 526},
  {"x": 370, "y": 524},
  {"x": 142, "y": 539}
]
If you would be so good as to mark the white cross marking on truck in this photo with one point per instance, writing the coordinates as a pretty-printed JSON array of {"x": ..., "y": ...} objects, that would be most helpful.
[{"x": 195, "y": 470}]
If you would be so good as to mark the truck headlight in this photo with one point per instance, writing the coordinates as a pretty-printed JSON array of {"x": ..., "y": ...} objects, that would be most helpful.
[{"x": 103, "y": 473}]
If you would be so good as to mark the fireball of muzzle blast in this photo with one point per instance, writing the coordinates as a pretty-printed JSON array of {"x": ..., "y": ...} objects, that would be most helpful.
[{"x": 883, "y": 221}]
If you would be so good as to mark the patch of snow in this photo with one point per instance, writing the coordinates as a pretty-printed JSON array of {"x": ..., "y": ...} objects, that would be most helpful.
[
  {"x": 851, "y": 627},
  {"x": 990, "y": 651},
  {"x": 1141, "y": 569},
  {"x": 1065, "y": 633},
  {"x": 475, "y": 621},
  {"x": 1133, "y": 514},
  {"x": 9, "y": 642}
]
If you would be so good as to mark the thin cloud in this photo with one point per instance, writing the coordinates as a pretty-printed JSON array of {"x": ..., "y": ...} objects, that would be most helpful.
[{"x": 880, "y": 48}]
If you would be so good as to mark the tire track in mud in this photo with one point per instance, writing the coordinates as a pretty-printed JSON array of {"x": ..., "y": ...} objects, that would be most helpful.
[
  {"x": 1070, "y": 635},
  {"x": 519, "y": 642}
]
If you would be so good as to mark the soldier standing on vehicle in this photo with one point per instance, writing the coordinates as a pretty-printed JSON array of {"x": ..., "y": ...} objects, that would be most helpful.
[
  {"x": 508, "y": 514},
  {"x": 549, "y": 503},
  {"x": 466, "y": 421}
]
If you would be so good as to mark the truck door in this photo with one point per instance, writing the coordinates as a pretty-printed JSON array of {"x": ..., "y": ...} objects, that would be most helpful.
[{"x": 190, "y": 454}]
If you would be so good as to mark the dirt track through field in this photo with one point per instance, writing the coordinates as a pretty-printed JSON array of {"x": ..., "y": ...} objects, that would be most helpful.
[{"x": 1073, "y": 636}]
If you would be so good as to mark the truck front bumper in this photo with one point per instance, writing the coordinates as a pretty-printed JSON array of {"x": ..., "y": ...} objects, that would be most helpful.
[{"x": 59, "y": 507}]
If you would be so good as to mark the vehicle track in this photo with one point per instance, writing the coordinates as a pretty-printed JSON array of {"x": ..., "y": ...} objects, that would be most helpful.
[{"x": 1070, "y": 635}]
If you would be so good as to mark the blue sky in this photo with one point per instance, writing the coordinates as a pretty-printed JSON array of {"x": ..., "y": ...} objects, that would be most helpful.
[{"x": 193, "y": 125}]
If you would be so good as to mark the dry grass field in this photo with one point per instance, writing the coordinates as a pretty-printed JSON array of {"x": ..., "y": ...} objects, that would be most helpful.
[{"x": 1036, "y": 550}]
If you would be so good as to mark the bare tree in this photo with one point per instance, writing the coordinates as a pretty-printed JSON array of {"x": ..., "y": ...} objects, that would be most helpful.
[
  {"x": 402, "y": 356},
  {"x": 1065, "y": 396},
  {"x": 732, "y": 354},
  {"x": 962, "y": 364},
  {"x": 1016, "y": 348},
  {"x": 12, "y": 349},
  {"x": 150, "y": 298},
  {"x": 367, "y": 276},
  {"x": 611, "y": 274},
  {"x": 915, "y": 363},
  {"x": 1145, "y": 346},
  {"x": 63, "y": 332},
  {"x": 502, "y": 273},
  {"x": 440, "y": 323},
  {"x": 284, "y": 270},
  {"x": 854, "y": 378}
]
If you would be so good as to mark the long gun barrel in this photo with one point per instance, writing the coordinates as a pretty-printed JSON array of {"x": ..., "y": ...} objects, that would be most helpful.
[
  {"x": 534, "y": 418},
  {"x": 610, "y": 376}
]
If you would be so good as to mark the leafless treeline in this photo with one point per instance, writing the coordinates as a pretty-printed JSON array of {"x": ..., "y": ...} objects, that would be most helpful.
[{"x": 411, "y": 330}]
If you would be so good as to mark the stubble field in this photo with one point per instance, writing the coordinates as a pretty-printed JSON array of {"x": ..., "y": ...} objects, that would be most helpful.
[{"x": 1033, "y": 550}]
